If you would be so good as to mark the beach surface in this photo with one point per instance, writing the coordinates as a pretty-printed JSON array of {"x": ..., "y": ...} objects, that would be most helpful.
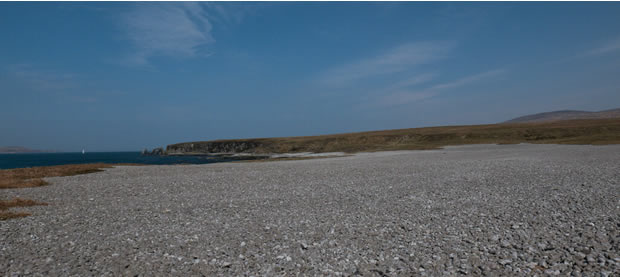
[{"x": 477, "y": 209}]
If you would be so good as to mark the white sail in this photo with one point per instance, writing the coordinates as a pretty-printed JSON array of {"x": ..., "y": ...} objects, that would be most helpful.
[{"x": 83, "y": 151}]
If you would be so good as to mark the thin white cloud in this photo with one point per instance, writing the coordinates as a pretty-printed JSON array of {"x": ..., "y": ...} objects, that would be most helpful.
[
  {"x": 231, "y": 13},
  {"x": 395, "y": 60},
  {"x": 405, "y": 97},
  {"x": 411, "y": 81},
  {"x": 168, "y": 29},
  {"x": 42, "y": 80},
  {"x": 610, "y": 46},
  {"x": 467, "y": 80}
]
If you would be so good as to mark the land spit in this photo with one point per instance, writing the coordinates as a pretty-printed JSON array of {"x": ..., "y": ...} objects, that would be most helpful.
[{"x": 481, "y": 209}]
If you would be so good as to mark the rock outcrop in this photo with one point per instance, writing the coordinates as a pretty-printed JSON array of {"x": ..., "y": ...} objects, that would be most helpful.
[
  {"x": 211, "y": 147},
  {"x": 155, "y": 152}
]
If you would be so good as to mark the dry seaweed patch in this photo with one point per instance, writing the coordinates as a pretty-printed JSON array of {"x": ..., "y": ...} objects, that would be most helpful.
[
  {"x": 5, "y": 205},
  {"x": 4, "y": 215},
  {"x": 19, "y": 202},
  {"x": 31, "y": 177}
]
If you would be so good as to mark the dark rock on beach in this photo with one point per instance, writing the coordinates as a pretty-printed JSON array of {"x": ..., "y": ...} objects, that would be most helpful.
[{"x": 155, "y": 152}]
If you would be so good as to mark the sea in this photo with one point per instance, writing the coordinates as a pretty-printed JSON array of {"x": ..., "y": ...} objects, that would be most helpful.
[{"x": 21, "y": 160}]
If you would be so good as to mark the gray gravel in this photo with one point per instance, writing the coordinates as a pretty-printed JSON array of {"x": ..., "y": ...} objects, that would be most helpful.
[{"x": 476, "y": 210}]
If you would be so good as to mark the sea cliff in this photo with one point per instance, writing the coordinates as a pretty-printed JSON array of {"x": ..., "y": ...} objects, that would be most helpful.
[{"x": 214, "y": 147}]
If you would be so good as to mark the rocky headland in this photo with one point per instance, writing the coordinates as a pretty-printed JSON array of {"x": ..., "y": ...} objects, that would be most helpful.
[{"x": 590, "y": 131}]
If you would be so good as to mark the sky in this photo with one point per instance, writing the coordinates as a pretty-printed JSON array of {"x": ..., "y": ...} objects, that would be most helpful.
[{"x": 126, "y": 76}]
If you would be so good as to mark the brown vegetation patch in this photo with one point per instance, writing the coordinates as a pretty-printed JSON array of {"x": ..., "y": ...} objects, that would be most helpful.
[
  {"x": 4, "y": 215},
  {"x": 19, "y": 202},
  {"x": 31, "y": 177},
  {"x": 5, "y": 205}
]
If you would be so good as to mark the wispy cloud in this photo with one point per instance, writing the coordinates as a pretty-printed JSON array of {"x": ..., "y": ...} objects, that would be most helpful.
[
  {"x": 229, "y": 14},
  {"x": 53, "y": 83},
  {"x": 41, "y": 80},
  {"x": 467, "y": 80},
  {"x": 395, "y": 60},
  {"x": 411, "y": 81},
  {"x": 401, "y": 97},
  {"x": 168, "y": 29},
  {"x": 608, "y": 47},
  {"x": 405, "y": 97}
]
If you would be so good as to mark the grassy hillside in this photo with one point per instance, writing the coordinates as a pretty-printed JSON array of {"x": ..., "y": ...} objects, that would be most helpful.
[{"x": 595, "y": 131}]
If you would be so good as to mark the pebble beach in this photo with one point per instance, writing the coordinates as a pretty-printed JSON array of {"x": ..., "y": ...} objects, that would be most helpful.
[{"x": 496, "y": 210}]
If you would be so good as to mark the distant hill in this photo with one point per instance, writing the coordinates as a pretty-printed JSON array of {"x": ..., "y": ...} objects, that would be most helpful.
[
  {"x": 19, "y": 149},
  {"x": 566, "y": 115}
]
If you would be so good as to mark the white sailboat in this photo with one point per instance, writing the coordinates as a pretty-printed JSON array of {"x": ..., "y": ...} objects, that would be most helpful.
[{"x": 83, "y": 151}]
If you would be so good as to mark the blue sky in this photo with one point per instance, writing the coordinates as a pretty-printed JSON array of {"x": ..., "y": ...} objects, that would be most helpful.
[{"x": 124, "y": 76}]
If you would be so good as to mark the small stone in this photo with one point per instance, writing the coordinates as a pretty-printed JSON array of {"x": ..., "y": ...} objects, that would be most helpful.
[
  {"x": 505, "y": 244},
  {"x": 552, "y": 272},
  {"x": 505, "y": 261}
]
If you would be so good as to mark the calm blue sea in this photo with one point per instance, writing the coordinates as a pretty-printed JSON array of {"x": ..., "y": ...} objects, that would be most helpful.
[{"x": 45, "y": 159}]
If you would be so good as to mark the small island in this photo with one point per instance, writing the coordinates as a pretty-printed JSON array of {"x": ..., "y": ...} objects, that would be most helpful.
[{"x": 20, "y": 149}]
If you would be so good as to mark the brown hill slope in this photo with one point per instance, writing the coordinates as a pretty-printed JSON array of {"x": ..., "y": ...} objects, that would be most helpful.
[
  {"x": 594, "y": 131},
  {"x": 566, "y": 115}
]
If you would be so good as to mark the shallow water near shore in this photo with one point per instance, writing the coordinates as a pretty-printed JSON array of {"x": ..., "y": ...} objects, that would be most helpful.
[{"x": 8, "y": 161}]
